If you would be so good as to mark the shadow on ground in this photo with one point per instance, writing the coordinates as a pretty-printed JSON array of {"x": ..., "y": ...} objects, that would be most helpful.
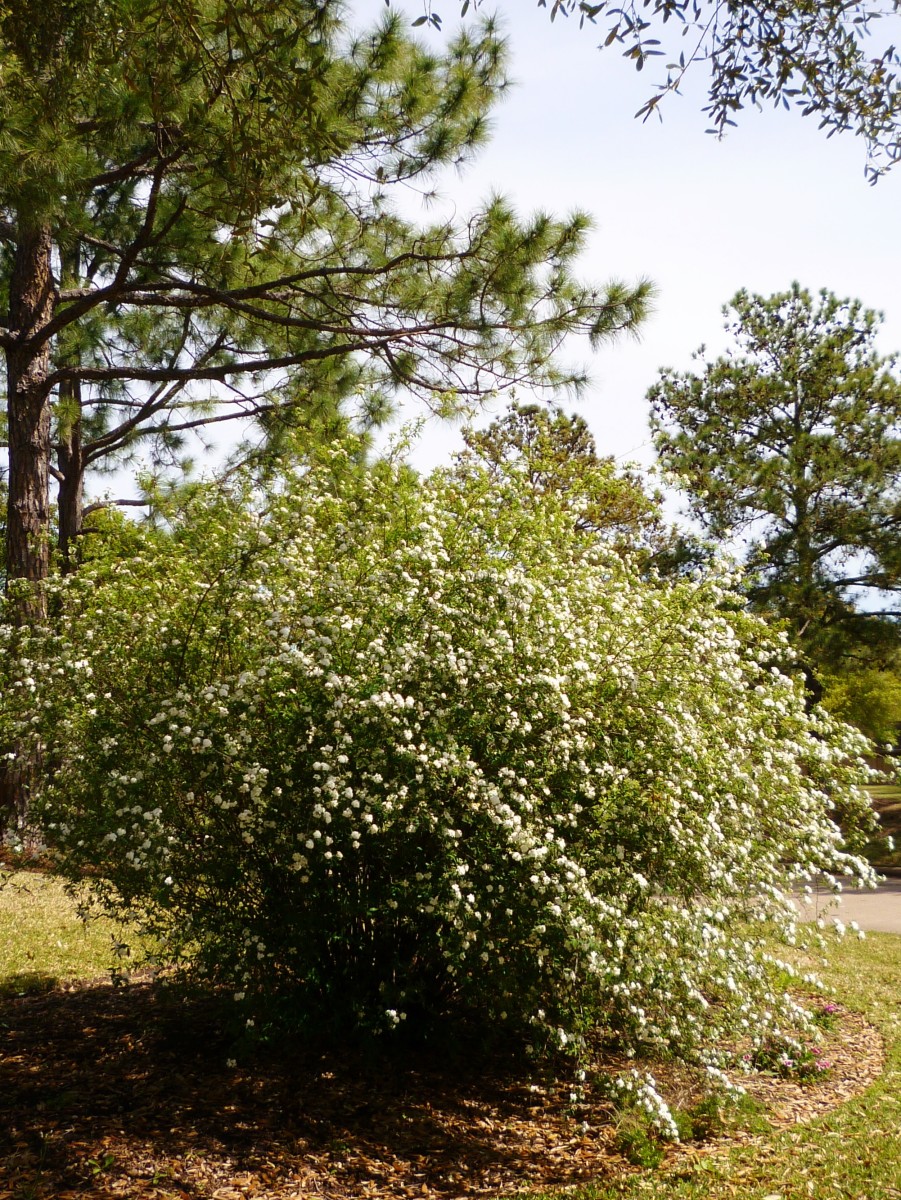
[{"x": 129, "y": 1093}]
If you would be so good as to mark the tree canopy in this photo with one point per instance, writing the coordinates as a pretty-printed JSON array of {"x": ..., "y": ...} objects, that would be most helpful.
[
  {"x": 821, "y": 56},
  {"x": 196, "y": 228},
  {"x": 792, "y": 441},
  {"x": 557, "y": 452}
]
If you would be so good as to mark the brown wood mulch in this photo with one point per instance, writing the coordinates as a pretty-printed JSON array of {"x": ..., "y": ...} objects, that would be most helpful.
[{"x": 127, "y": 1093}]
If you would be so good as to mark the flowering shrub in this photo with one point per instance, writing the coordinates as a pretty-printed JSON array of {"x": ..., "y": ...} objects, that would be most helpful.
[{"x": 383, "y": 750}]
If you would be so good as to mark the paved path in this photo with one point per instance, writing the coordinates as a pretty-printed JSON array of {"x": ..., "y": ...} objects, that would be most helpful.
[{"x": 876, "y": 910}]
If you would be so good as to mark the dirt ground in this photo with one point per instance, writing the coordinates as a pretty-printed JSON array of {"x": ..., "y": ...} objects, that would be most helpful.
[{"x": 131, "y": 1093}]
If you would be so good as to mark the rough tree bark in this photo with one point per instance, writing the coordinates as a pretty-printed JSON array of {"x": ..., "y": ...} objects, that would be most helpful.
[
  {"x": 71, "y": 464},
  {"x": 31, "y": 303},
  {"x": 28, "y": 411}
]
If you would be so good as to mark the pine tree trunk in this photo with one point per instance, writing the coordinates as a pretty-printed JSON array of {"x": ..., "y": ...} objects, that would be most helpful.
[
  {"x": 28, "y": 404},
  {"x": 70, "y": 460},
  {"x": 28, "y": 514}
]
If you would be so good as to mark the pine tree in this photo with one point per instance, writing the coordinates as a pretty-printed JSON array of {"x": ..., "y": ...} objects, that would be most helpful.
[
  {"x": 791, "y": 442},
  {"x": 197, "y": 228}
]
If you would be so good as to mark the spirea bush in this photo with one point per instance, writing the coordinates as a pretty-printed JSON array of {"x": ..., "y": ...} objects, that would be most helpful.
[{"x": 375, "y": 749}]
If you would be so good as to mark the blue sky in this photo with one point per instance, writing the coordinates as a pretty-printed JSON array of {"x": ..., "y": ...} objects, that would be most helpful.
[{"x": 772, "y": 202}]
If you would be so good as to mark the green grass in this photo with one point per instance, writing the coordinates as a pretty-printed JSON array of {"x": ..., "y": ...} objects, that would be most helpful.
[
  {"x": 42, "y": 940},
  {"x": 889, "y": 792}
]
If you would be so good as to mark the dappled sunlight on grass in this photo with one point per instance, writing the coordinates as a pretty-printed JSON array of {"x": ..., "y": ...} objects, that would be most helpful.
[
  {"x": 42, "y": 938},
  {"x": 887, "y": 802}
]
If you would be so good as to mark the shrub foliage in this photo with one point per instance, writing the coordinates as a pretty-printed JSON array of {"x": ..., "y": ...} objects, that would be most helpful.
[{"x": 377, "y": 749}]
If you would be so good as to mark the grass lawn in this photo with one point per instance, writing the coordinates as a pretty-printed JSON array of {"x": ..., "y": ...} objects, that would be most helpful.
[
  {"x": 108, "y": 1092},
  {"x": 42, "y": 941}
]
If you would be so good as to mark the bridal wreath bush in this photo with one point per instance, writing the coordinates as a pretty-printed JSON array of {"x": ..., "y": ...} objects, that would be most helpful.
[{"x": 376, "y": 749}]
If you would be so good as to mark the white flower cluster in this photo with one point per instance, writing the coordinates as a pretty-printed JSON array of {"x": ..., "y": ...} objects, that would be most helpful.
[
  {"x": 638, "y": 1089},
  {"x": 390, "y": 746}
]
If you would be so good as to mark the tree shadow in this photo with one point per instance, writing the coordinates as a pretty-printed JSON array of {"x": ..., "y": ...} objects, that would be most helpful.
[
  {"x": 25, "y": 983},
  {"x": 132, "y": 1092}
]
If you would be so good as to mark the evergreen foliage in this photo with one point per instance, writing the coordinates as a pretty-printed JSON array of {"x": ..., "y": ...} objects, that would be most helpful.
[
  {"x": 792, "y": 442},
  {"x": 558, "y": 452},
  {"x": 197, "y": 228}
]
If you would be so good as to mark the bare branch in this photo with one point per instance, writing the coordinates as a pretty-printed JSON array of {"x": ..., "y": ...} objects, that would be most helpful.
[
  {"x": 159, "y": 398},
  {"x": 364, "y": 340},
  {"x": 129, "y": 170},
  {"x": 97, "y": 505}
]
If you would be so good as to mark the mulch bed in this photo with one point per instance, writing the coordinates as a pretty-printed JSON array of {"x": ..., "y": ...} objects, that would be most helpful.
[{"x": 127, "y": 1092}]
